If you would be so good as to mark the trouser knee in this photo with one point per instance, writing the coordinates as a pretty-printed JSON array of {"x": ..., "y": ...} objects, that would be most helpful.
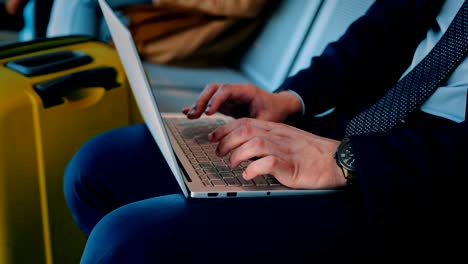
[{"x": 79, "y": 187}]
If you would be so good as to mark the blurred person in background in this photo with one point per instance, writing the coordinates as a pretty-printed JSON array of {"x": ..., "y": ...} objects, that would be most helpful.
[
  {"x": 11, "y": 17},
  {"x": 189, "y": 32},
  {"x": 29, "y": 17}
]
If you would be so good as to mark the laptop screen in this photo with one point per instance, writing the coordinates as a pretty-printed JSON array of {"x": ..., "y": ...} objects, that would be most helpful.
[{"x": 141, "y": 88}]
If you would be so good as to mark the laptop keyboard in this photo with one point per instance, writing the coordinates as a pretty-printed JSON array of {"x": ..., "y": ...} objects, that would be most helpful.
[{"x": 192, "y": 136}]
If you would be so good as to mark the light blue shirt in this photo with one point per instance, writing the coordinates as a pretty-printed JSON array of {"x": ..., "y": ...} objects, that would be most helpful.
[{"x": 449, "y": 100}]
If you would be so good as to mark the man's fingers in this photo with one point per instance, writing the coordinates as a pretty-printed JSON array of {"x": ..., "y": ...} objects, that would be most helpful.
[
  {"x": 256, "y": 147},
  {"x": 222, "y": 94},
  {"x": 216, "y": 97},
  {"x": 238, "y": 136},
  {"x": 186, "y": 109},
  {"x": 200, "y": 105},
  {"x": 241, "y": 94},
  {"x": 221, "y": 132},
  {"x": 272, "y": 165}
]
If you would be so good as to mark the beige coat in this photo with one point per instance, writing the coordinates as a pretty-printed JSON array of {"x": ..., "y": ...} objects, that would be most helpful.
[{"x": 195, "y": 32}]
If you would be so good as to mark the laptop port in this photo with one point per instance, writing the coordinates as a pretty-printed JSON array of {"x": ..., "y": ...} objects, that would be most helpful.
[
  {"x": 212, "y": 194},
  {"x": 231, "y": 194}
]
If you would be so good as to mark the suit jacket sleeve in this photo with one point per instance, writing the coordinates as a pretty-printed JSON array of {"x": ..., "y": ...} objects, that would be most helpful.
[
  {"x": 370, "y": 56},
  {"x": 411, "y": 184},
  {"x": 416, "y": 167}
]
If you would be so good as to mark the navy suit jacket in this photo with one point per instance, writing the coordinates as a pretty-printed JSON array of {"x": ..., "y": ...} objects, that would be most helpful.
[{"x": 417, "y": 168}]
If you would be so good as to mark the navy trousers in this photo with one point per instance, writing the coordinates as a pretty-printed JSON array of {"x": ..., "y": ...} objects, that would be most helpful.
[{"x": 121, "y": 192}]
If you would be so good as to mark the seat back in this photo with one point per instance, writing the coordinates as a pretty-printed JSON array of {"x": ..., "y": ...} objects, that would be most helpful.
[
  {"x": 271, "y": 55},
  {"x": 331, "y": 22}
]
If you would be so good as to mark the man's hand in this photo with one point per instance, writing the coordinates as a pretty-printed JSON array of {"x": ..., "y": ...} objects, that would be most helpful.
[
  {"x": 244, "y": 100},
  {"x": 15, "y": 7},
  {"x": 296, "y": 158}
]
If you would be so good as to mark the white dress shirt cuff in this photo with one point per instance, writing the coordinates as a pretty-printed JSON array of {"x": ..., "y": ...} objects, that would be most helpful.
[{"x": 302, "y": 101}]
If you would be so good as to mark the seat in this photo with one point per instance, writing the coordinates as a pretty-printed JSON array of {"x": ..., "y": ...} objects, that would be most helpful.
[
  {"x": 266, "y": 62},
  {"x": 295, "y": 32}
]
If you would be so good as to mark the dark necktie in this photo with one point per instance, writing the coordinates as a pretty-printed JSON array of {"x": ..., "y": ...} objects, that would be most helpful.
[{"x": 419, "y": 84}]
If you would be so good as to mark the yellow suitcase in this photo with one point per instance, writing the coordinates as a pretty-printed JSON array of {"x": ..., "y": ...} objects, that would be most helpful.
[{"x": 55, "y": 94}]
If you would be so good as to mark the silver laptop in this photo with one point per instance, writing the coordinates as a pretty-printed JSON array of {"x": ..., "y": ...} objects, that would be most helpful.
[{"x": 183, "y": 142}]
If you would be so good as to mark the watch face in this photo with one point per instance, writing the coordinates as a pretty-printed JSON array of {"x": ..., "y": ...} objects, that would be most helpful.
[{"x": 345, "y": 155}]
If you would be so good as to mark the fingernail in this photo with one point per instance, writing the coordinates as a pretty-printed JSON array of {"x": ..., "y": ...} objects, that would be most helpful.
[
  {"x": 207, "y": 108},
  {"x": 210, "y": 136},
  {"x": 191, "y": 111}
]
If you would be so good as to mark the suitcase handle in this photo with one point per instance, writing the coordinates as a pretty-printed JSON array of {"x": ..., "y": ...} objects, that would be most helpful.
[
  {"x": 49, "y": 63},
  {"x": 28, "y": 47},
  {"x": 53, "y": 91}
]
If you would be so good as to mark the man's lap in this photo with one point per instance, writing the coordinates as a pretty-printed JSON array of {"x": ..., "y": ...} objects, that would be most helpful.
[
  {"x": 174, "y": 228},
  {"x": 118, "y": 167},
  {"x": 121, "y": 176}
]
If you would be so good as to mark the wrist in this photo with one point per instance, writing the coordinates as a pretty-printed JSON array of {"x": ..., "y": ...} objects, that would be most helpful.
[
  {"x": 14, "y": 7},
  {"x": 294, "y": 105},
  {"x": 340, "y": 177},
  {"x": 346, "y": 161}
]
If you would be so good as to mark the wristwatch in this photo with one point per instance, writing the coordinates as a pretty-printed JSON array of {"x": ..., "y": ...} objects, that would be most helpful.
[{"x": 345, "y": 159}]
